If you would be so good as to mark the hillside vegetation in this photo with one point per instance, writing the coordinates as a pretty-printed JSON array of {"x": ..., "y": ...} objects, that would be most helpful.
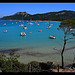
[{"x": 54, "y": 16}]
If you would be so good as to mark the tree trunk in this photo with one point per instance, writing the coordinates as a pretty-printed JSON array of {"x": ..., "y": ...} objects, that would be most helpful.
[
  {"x": 30, "y": 68},
  {"x": 62, "y": 61},
  {"x": 63, "y": 52}
]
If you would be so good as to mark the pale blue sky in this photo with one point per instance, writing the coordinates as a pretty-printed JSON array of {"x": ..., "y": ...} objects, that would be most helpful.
[{"x": 7, "y": 9}]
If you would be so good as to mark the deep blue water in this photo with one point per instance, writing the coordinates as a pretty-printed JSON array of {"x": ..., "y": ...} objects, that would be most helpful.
[{"x": 36, "y": 42}]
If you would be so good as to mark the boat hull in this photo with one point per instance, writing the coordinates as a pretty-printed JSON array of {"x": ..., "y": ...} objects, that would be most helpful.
[{"x": 52, "y": 37}]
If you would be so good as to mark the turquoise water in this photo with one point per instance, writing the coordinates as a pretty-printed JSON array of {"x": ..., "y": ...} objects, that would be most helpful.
[{"x": 37, "y": 45}]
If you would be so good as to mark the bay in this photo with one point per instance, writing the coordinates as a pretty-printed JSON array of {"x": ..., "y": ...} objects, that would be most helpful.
[{"x": 35, "y": 45}]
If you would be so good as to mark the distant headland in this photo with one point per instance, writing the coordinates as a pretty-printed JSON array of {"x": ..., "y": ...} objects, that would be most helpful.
[{"x": 53, "y": 16}]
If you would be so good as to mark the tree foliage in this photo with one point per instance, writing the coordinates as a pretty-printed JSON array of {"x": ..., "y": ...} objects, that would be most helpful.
[
  {"x": 67, "y": 26},
  {"x": 11, "y": 64},
  {"x": 67, "y": 23}
]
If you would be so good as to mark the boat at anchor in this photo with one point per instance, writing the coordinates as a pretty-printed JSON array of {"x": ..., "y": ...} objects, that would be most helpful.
[
  {"x": 5, "y": 31},
  {"x": 23, "y": 33},
  {"x": 52, "y": 37}
]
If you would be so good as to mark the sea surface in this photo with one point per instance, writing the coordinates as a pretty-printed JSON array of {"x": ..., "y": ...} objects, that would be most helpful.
[{"x": 36, "y": 46}]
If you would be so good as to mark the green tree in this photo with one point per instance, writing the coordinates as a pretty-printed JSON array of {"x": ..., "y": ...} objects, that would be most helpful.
[
  {"x": 67, "y": 26},
  {"x": 10, "y": 63},
  {"x": 12, "y": 58},
  {"x": 34, "y": 66},
  {"x": 2, "y": 59}
]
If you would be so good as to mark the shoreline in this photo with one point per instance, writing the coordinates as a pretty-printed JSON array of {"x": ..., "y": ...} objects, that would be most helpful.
[
  {"x": 54, "y": 70},
  {"x": 9, "y": 50},
  {"x": 29, "y": 57},
  {"x": 34, "y": 55},
  {"x": 33, "y": 20},
  {"x": 18, "y": 49}
]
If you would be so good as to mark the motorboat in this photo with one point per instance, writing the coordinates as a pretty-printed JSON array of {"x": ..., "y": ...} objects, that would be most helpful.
[
  {"x": 19, "y": 21},
  {"x": 30, "y": 23},
  {"x": 52, "y": 37},
  {"x": 4, "y": 24},
  {"x": 49, "y": 26},
  {"x": 11, "y": 23},
  {"x": 72, "y": 29},
  {"x": 21, "y": 25},
  {"x": 5, "y": 31},
  {"x": 16, "y": 22},
  {"x": 40, "y": 30},
  {"x": 25, "y": 27},
  {"x": 37, "y": 24},
  {"x": 30, "y": 32},
  {"x": 23, "y": 33}
]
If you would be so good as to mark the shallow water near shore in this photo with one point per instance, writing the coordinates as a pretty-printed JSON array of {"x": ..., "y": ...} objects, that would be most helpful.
[{"x": 35, "y": 46}]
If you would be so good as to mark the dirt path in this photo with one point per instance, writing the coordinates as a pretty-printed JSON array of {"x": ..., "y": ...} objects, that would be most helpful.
[{"x": 63, "y": 70}]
